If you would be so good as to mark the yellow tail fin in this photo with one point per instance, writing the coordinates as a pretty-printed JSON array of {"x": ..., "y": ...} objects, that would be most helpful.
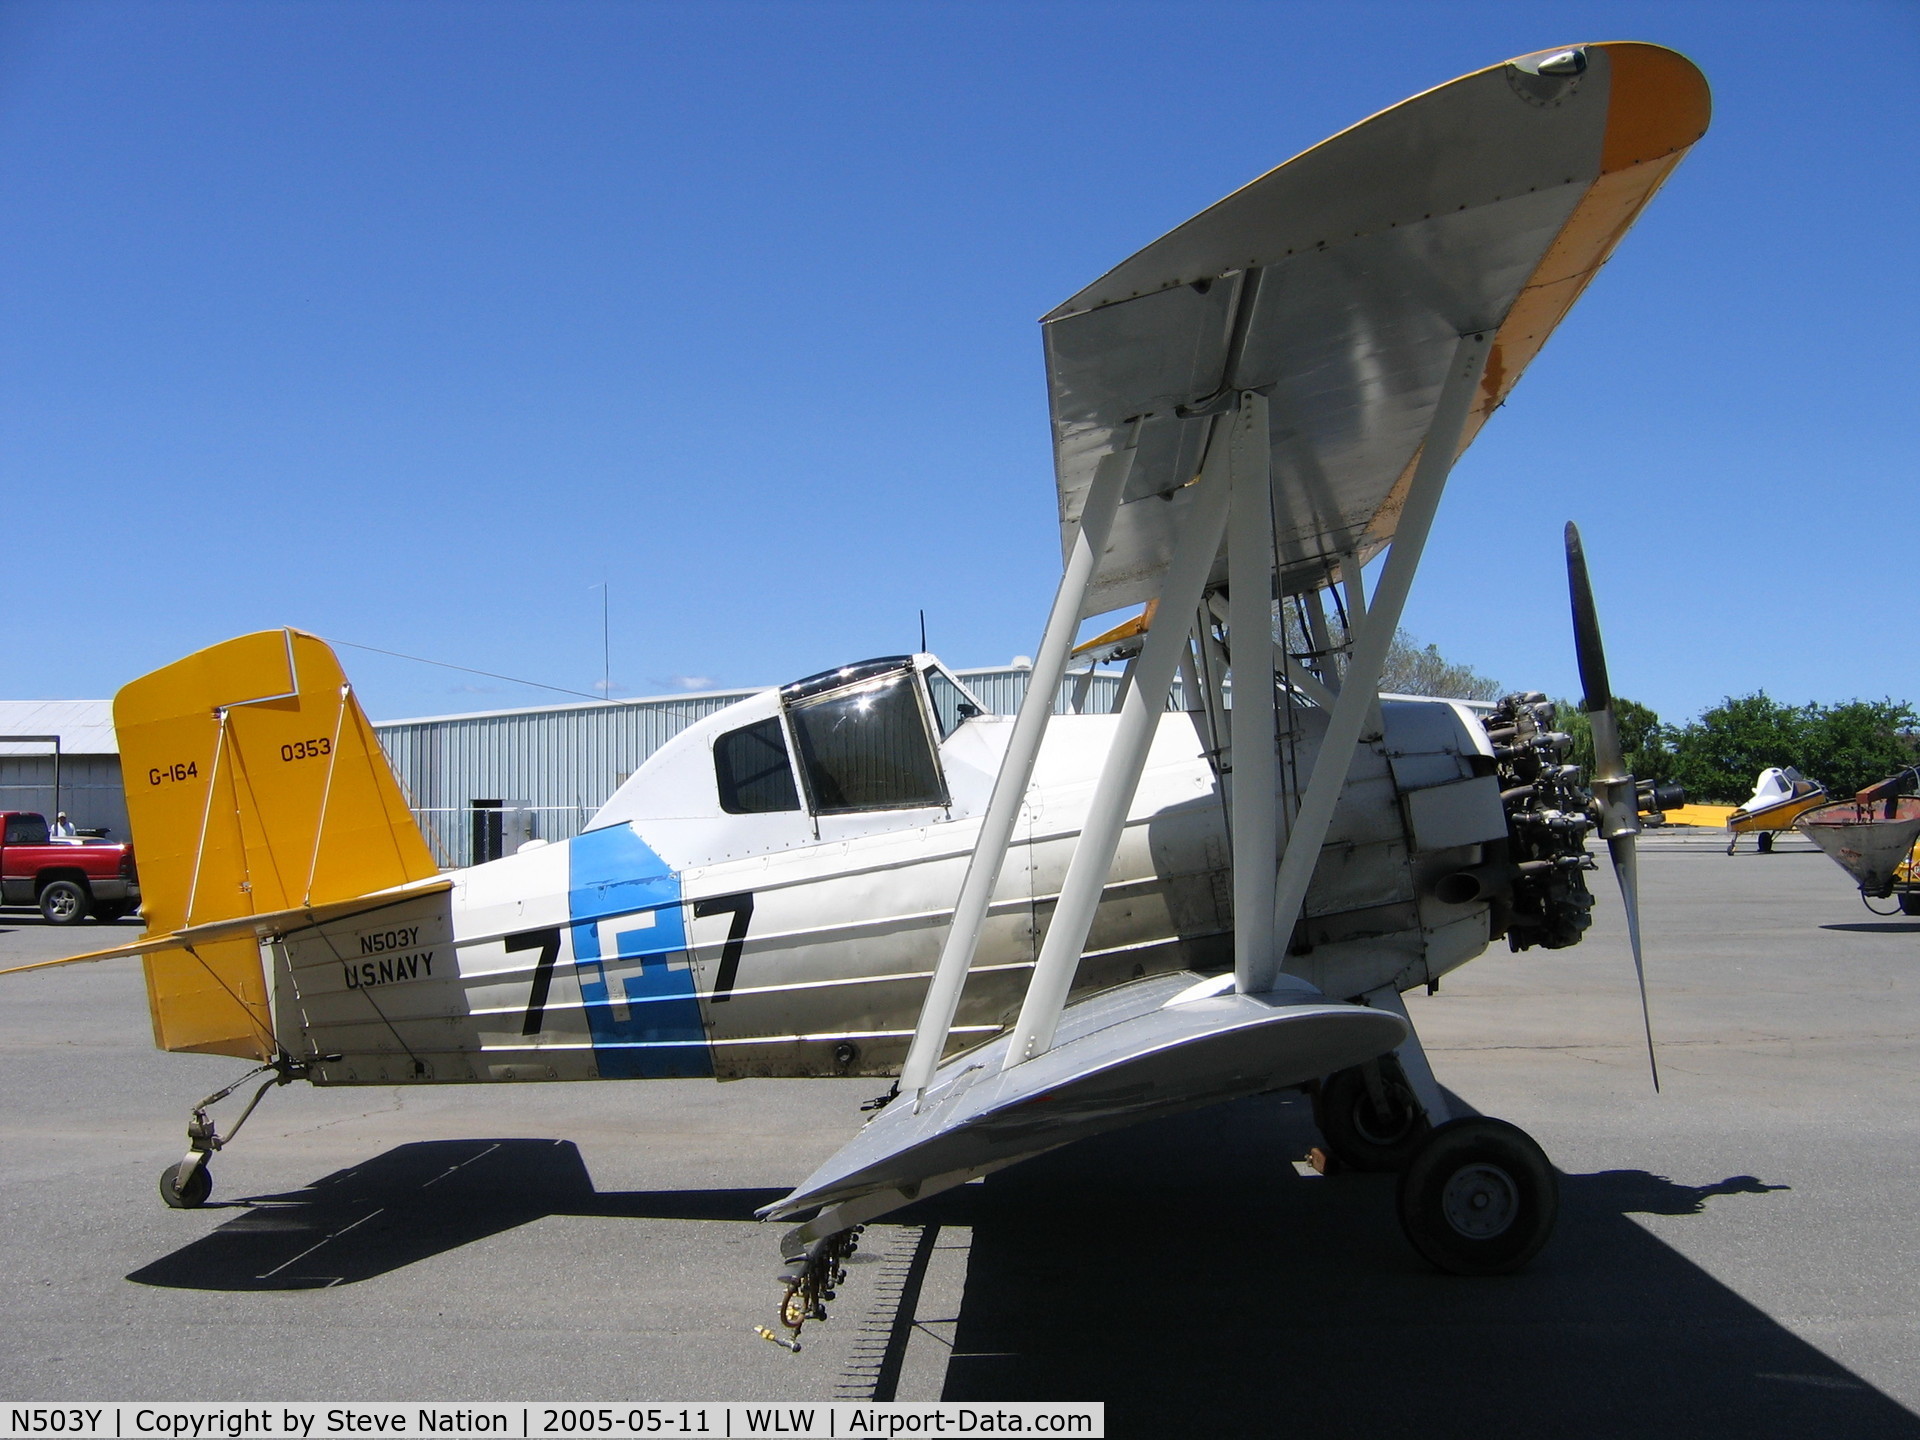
[{"x": 254, "y": 784}]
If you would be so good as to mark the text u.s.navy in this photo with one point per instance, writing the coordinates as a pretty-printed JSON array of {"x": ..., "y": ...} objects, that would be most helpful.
[{"x": 364, "y": 974}]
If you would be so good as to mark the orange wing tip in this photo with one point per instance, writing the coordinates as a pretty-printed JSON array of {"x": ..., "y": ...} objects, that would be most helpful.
[{"x": 1659, "y": 104}]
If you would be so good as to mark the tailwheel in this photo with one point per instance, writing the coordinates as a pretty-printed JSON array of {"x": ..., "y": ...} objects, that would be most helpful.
[
  {"x": 186, "y": 1185},
  {"x": 1479, "y": 1198},
  {"x": 189, "y": 1193},
  {"x": 1370, "y": 1117}
]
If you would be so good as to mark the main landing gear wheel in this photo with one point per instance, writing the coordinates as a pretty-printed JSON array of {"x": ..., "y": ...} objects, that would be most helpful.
[
  {"x": 190, "y": 1196},
  {"x": 1910, "y": 903},
  {"x": 1480, "y": 1197},
  {"x": 1378, "y": 1127}
]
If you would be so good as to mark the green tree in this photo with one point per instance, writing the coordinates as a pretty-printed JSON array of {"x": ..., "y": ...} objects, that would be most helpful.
[
  {"x": 1853, "y": 744},
  {"x": 1415, "y": 670},
  {"x": 1845, "y": 746},
  {"x": 1717, "y": 756}
]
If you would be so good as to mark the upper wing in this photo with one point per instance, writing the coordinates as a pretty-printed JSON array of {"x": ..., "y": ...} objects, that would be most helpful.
[{"x": 1339, "y": 283}]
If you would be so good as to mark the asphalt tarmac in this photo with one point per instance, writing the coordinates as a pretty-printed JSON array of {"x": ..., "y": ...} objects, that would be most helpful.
[{"x": 1736, "y": 1256}]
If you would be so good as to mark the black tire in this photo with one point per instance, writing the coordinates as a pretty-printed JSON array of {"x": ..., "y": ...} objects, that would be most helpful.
[
  {"x": 190, "y": 1196},
  {"x": 108, "y": 911},
  {"x": 65, "y": 902},
  {"x": 1480, "y": 1198},
  {"x": 1766, "y": 842},
  {"x": 1358, "y": 1135},
  {"x": 1910, "y": 903}
]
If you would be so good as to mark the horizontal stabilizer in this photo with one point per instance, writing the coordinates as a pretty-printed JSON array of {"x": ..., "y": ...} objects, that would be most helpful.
[
  {"x": 1118, "y": 1058},
  {"x": 268, "y": 926}
]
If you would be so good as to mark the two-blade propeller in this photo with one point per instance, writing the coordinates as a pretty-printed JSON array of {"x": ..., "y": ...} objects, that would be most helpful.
[{"x": 1613, "y": 788}]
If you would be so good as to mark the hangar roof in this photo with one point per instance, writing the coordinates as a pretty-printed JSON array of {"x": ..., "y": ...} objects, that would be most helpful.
[{"x": 85, "y": 727}]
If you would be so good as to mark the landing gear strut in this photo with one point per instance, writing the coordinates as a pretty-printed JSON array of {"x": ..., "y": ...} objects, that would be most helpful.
[
  {"x": 1476, "y": 1196},
  {"x": 186, "y": 1184},
  {"x": 1370, "y": 1117}
]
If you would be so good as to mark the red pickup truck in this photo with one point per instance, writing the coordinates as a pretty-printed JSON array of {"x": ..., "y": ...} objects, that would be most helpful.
[{"x": 68, "y": 879}]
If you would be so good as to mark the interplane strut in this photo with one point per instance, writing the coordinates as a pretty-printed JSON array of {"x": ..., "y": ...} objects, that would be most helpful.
[{"x": 1359, "y": 689}]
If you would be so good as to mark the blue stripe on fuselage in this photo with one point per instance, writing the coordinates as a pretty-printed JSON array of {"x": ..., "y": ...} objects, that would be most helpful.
[{"x": 652, "y": 1027}]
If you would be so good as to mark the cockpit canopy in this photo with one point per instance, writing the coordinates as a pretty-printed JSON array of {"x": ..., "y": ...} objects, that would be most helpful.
[{"x": 867, "y": 737}]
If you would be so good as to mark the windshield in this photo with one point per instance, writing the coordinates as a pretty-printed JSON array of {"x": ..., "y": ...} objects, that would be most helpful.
[{"x": 866, "y": 747}]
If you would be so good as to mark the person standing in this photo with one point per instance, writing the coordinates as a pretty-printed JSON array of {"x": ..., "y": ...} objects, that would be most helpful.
[{"x": 62, "y": 827}]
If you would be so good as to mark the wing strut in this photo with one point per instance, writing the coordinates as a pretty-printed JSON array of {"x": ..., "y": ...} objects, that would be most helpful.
[
  {"x": 1304, "y": 681},
  {"x": 1326, "y": 655},
  {"x": 1010, "y": 787},
  {"x": 1359, "y": 687},
  {"x": 1185, "y": 580},
  {"x": 1256, "y": 756}
]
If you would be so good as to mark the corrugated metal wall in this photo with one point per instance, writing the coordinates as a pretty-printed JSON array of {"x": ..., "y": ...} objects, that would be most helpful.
[
  {"x": 90, "y": 789},
  {"x": 1001, "y": 691},
  {"x": 564, "y": 762}
]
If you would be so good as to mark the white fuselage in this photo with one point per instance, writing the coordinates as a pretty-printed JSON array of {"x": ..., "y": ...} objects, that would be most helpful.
[{"x": 676, "y": 938}]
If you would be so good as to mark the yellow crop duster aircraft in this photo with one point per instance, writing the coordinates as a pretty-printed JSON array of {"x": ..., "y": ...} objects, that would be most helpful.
[{"x": 1041, "y": 927}]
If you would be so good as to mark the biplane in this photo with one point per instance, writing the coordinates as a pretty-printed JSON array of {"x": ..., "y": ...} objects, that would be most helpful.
[{"x": 1038, "y": 927}]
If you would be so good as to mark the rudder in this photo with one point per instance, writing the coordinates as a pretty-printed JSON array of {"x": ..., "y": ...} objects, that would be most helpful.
[{"x": 255, "y": 783}]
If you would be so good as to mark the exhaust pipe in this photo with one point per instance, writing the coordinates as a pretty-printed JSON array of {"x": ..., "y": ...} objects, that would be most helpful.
[{"x": 1463, "y": 887}]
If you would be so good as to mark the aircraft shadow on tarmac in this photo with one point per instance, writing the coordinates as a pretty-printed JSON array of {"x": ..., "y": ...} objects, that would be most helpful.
[
  {"x": 414, "y": 1202},
  {"x": 1187, "y": 1275}
]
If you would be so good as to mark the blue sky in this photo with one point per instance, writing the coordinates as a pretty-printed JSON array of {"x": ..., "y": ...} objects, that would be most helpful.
[{"x": 410, "y": 323}]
